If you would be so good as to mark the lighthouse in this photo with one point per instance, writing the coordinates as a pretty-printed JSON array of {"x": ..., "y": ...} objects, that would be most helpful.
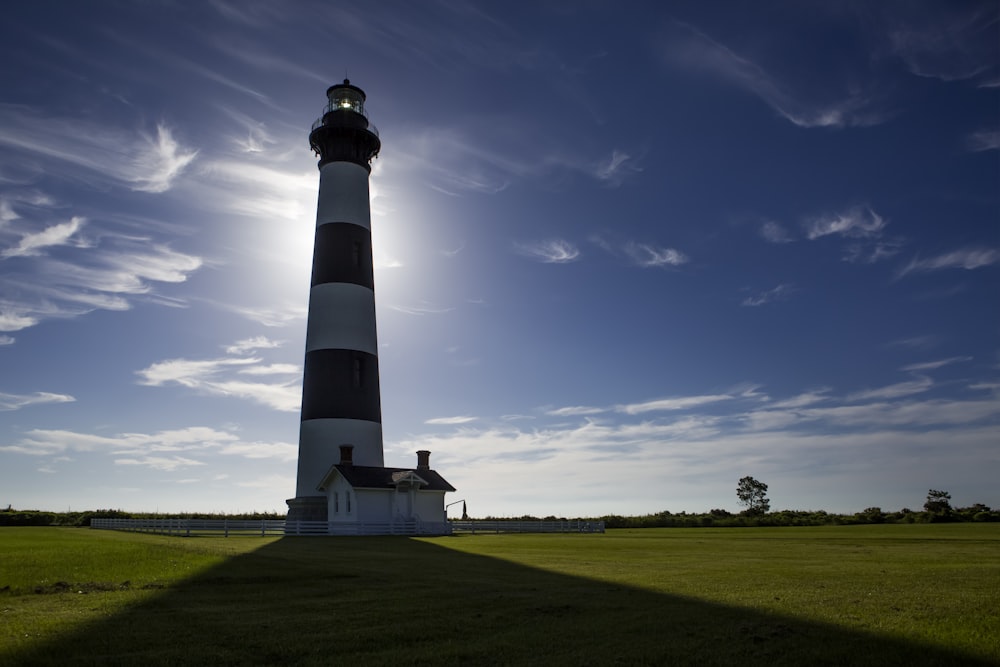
[{"x": 341, "y": 477}]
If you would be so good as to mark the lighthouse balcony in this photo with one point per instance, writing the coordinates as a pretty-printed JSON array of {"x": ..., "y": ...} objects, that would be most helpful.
[{"x": 327, "y": 119}]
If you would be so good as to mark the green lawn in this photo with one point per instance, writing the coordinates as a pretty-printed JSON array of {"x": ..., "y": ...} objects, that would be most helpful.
[{"x": 859, "y": 595}]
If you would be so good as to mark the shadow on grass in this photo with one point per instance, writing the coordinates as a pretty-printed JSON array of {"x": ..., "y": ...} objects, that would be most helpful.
[{"x": 395, "y": 601}]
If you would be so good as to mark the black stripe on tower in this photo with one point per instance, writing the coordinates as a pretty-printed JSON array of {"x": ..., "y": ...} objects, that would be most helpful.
[
  {"x": 341, "y": 384},
  {"x": 343, "y": 254}
]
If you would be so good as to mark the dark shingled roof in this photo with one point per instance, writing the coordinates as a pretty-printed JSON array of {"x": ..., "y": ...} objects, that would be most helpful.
[{"x": 370, "y": 477}]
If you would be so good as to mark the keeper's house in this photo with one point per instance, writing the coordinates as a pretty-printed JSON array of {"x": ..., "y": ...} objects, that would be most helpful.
[{"x": 378, "y": 500}]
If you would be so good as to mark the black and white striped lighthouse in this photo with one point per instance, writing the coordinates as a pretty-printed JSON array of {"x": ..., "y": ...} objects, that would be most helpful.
[{"x": 340, "y": 386}]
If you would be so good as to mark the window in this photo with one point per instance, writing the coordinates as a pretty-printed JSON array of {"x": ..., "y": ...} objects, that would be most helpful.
[
  {"x": 347, "y": 496},
  {"x": 358, "y": 371},
  {"x": 357, "y": 254},
  {"x": 336, "y": 502}
]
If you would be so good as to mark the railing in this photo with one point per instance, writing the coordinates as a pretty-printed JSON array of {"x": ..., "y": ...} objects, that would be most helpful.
[
  {"x": 515, "y": 526},
  {"x": 371, "y": 126},
  {"x": 227, "y": 527}
]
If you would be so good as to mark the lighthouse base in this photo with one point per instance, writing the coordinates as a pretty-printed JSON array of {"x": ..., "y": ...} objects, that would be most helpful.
[{"x": 307, "y": 508}]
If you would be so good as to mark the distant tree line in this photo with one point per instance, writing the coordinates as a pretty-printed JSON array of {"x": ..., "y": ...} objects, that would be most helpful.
[
  {"x": 937, "y": 509},
  {"x": 12, "y": 517}
]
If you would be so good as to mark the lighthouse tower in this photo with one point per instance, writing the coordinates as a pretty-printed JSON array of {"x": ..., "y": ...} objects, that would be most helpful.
[
  {"x": 342, "y": 479},
  {"x": 340, "y": 386}
]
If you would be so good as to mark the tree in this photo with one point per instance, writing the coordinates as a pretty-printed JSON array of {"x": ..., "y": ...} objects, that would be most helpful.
[
  {"x": 751, "y": 494},
  {"x": 938, "y": 502}
]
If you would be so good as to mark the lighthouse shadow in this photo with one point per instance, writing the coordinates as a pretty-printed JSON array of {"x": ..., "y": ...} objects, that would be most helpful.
[{"x": 397, "y": 601}]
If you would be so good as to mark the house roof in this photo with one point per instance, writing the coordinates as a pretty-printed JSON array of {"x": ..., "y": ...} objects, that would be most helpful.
[{"x": 371, "y": 477}]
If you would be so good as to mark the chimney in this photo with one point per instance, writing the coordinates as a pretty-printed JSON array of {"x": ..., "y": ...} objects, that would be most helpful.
[
  {"x": 347, "y": 455},
  {"x": 423, "y": 460}
]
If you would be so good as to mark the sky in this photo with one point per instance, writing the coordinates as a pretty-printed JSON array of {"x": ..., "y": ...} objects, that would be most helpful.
[{"x": 626, "y": 253}]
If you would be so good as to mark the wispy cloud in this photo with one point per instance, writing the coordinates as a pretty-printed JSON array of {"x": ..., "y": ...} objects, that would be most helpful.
[
  {"x": 164, "y": 450},
  {"x": 422, "y": 308},
  {"x": 968, "y": 258},
  {"x": 134, "y": 159},
  {"x": 486, "y": 156},
  {"x": 646, "y": 255},
  {"x": 950, "y": 42},
  {"x": 773, "y": 232},
  {"x": 219, "y": 377},
  {"x": 802, "y": 400},
  {"x": 690, "y": 49},
  {"x": 55, "y": 235},
  {"x": 252, "y": 344},
  {"x": 159, "y": 161},
  {"x": 165, "y": 463},
  {"x": 575, "y": 410},
  {"x": 779, "y": 293},
  {"x": 270, "y": 316},
  {"x": 6, "y": 340},
  {"x": 462, "y": 419},
  {"x": 107, "y": 276},
  {"x": 934, "y": 365},
  {"x": 983, "y": 140},
  {"x": 898, "y": 390},
  {"x": 858, "y": 222},
  {"x": 668, "y": 404},
  {"x": 616, "y": 169},
  {"x": 552, "y": 251},
  {"x": 18, "y": 401}
]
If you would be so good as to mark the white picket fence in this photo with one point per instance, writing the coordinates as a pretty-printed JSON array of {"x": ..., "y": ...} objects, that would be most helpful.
[
  {"x": 227, "y": 527},
  {"x": 515, "y": 526}
]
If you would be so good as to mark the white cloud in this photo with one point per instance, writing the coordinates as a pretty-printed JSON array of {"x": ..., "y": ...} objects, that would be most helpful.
[
  {"x": 187, "y": 372},
  {"x": 166, "y": 463},
  {"x": 855, "y": 223},
  {"x": 773, "y": 232},
  {"x": 272, "y": 369},
  {"x": 983, "y": 140},
  {"x": 159, "y": 161},
  {"x": 932, "y": 365},
  {"x": 778, "y": 293},
  {"x": 688, "y": 48},
  {"x": 423, "y": 308},
  {"x": 11, "y": 320},
  {"x": 948, "y": 41},
  {"x": 646, "y": 255},
  {"x": 32, "y": 244},
  {"x": 464, "y": 419},
  {"x": 618, "y": 167},
  {"x": 802, "y": 400},
  {"x": 268, "y": 315},
  {"x": 6, "y": 340},
  {"x": 48, "y": 442},
  {"x": 282, "y": 451},
  {"x": 18, "y": 401},
  {"x": 252, "y": 344},
  {"x": 680, "y": 403},
  {"x": 553, "y": 251},
  {"x": 164, "y": 450},
  {"x": 575, "y": 410},
  {"x": 102, "y": 276},
  {"x": 216, "y": 377},
  {"x": 969, "y": 258},
  {"x": 136, "y": 160},
  {"x": 283, "y": 397},
  {"x": 898, "y": 390}
]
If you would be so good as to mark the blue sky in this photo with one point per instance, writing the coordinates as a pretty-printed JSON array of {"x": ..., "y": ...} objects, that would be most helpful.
[{"x": 626, "y": 253}]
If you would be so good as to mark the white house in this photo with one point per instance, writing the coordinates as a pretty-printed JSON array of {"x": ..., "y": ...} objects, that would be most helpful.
[{"x": 378, "y": 500}]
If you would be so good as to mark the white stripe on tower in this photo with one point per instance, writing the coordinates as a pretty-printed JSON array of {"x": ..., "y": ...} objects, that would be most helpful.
[{"x": 340, "y": 386}]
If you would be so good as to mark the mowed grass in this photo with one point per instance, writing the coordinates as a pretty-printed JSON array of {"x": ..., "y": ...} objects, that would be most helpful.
[{"x": 859, "y": 595}]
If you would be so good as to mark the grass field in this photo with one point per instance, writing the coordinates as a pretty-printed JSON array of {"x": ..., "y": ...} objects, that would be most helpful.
[{"x": 858, "y": 595}]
